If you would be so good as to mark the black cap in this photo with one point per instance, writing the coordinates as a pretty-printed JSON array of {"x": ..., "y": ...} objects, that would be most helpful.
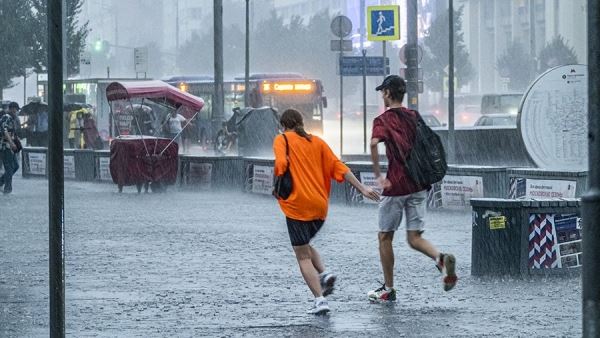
[
  {"x": 13, "y": 105},
  {"x": 393, "y": 81}
]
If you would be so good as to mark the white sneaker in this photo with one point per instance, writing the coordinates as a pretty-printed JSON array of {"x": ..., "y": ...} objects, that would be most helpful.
[
  {"x": 320, "y": 308},
  {"x": 327, "y": 283},
  {"x": 447, "y": 266}
]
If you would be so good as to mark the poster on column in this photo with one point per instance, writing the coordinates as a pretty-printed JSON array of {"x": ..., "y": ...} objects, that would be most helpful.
[
  {"x": 37, "y": 164},
  {"x": 457, "y": 191},
  {"x": 262, "y": 180},
  {"x": 542, "y": 189},
  {"x": 104, "y": 169},
  {"x": 69, "y": 166}
]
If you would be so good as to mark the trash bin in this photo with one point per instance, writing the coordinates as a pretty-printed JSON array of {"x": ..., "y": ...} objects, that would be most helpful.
[
  {"x": 521, "y": 237},
  {"x": 84, "y": 164}
]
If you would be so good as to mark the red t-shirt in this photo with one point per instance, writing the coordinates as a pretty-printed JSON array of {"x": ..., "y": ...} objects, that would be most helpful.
[{"x": 396, "y": 129}]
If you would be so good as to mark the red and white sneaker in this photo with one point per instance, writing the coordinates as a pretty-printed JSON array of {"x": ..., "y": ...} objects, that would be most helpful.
[
  {"x": 447, "y": 266},
  {"x": 382, "y": 294}
]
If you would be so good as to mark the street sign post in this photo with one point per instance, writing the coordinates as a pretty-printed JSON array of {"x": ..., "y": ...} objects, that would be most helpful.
[
  {"x": 354, "y": 65},
  {"x": 140, "y": 59},
  {"x": 383, "y": 23},
  {"x": 346, "y": 45},
  {"x": 341, "y": 26},
  {"x": 402, "y": 54}
]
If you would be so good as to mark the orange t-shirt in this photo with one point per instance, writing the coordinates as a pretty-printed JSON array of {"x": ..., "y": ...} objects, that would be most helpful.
[{"x": 312, "y": 166}]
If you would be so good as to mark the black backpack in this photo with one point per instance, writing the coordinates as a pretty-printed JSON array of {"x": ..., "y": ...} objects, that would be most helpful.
[{"x": 426, "y": 162}]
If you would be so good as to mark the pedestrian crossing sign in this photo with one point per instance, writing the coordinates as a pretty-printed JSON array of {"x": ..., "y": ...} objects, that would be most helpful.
[{"x": 383, "y": 23}]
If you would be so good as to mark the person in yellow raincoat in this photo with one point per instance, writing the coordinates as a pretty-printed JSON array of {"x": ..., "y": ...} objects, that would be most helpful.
[{"x": 75, "y": 127}]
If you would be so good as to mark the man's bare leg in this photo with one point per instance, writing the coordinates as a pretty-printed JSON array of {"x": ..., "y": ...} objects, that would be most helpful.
[
  {"x": 417, "y": 242},
  {"x": 386, "y": 254}
]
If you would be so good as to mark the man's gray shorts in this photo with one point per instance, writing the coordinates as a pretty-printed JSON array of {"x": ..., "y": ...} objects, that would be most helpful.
[{"x": 391, "y": 209}]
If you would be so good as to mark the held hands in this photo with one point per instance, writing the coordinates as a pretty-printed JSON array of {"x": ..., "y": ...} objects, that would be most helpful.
[{"x": 369, "y": 193}]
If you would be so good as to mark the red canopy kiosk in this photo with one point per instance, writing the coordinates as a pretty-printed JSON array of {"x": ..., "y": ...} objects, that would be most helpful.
[{"x": 145, "y": 159}]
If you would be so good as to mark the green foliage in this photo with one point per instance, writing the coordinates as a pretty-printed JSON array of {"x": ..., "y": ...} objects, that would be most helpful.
[
  {"x": 516, "y": 64},
  {"x": 556, "y": 53},
  {"x": 24, "y": 37},
  {"x": 435, "y": 59},
  {"x": 76, "y": 35},
  {"x": 15, "y": 40}
]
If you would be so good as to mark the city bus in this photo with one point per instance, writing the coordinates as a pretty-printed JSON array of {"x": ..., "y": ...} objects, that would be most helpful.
[{"x": 279, "y": 91}]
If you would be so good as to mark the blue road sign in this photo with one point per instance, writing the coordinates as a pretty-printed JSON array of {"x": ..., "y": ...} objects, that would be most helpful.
[
  {"x": 383, "y": 23},
  {"x": 353, "y": 65}
]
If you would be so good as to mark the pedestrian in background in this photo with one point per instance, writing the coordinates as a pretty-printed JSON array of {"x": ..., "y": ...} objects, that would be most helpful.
[
  {"x": 401, "y": 195},
  {"x": 312, "y": 165},
  {"x": 9, "y": 146},
  {"x": 174, "y": 126}
]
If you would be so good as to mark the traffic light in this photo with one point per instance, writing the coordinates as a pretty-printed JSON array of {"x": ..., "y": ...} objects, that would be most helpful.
[{"x": 101, "y": 46}]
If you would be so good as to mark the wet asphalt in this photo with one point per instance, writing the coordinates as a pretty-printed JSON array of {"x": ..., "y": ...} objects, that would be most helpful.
[{"x": 219, "y": 264}]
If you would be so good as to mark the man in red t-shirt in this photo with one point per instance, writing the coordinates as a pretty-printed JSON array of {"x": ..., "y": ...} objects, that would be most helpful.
[{"x": 396, "y": 128}]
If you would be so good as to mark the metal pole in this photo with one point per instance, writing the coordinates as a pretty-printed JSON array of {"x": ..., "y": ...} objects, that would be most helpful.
[
  {"x": 362, "y": 24},
  {"x": 532, "y": 36},
  {"x": 176, "y": 33},
  {"x": 247, "y": 68},
  {"x": 364, "y": 54},
  {"x": 65, "y": 73},
  {"x": 412, "y": 66},
  {"x": 384, "y": 56},
  {"x": 55, "y": 170},
  {"x": 218, "y": 107},
  {"x": 341, "y": 95},
  {"x": 591, "y": 199},
  {"x": 25, "y": 87},
  {"x": 364, "y": 80},
  {"x": 177, "y": 26},
  {"x": 451, "y": 136}
]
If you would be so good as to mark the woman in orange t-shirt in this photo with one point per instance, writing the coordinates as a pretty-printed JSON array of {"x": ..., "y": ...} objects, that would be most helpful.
[{"x": 312, "y": 166}]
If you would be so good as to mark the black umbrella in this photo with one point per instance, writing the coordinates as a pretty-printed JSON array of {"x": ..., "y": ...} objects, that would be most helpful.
[
  {"x": 33, "y": 108},
  {"x": 74, "y": 106}
]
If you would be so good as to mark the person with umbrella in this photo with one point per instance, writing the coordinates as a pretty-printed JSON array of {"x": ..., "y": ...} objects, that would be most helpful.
[
  {"x": 37, "y": 123},
  {"x": 9, "y": 146}
]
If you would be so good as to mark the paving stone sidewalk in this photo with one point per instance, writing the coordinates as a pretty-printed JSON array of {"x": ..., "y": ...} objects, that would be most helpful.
[{"x": 190, "y": 264}]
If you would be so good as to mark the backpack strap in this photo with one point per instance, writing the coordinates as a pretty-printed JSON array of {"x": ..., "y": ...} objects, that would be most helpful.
[{"x": 287, "y": 150}]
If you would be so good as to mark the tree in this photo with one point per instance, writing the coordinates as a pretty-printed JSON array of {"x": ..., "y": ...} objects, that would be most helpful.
[
  {"x": 76, "y": 35},
  {"x": 556, "y": 53},
  {"x": 435, "y": 59},
  {"x": 516, "y": 65},
  {"x": 196, "y": 56},
  {"x": 15, "y": 40}
]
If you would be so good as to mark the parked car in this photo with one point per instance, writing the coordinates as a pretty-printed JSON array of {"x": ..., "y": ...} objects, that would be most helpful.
[
  {"x": 507, "y": 120},
  {"x": 431, "y": 120}
]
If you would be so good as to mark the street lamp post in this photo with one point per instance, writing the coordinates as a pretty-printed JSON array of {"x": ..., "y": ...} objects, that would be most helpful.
[
  {"x": 218, "y": 106},
  {"x": 247, "y": 67},
  {"x": 56, "y": 170},
  {"x": 591, "y": 199},
  {"x": 451, "y": 134}
]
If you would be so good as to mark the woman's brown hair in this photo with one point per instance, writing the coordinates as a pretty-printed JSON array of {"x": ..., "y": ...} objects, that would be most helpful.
[{"x": 292, "y": 119}]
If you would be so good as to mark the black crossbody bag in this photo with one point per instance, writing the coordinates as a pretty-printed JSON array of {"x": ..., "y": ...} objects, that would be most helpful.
[{"x": 282, "y": 187}]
